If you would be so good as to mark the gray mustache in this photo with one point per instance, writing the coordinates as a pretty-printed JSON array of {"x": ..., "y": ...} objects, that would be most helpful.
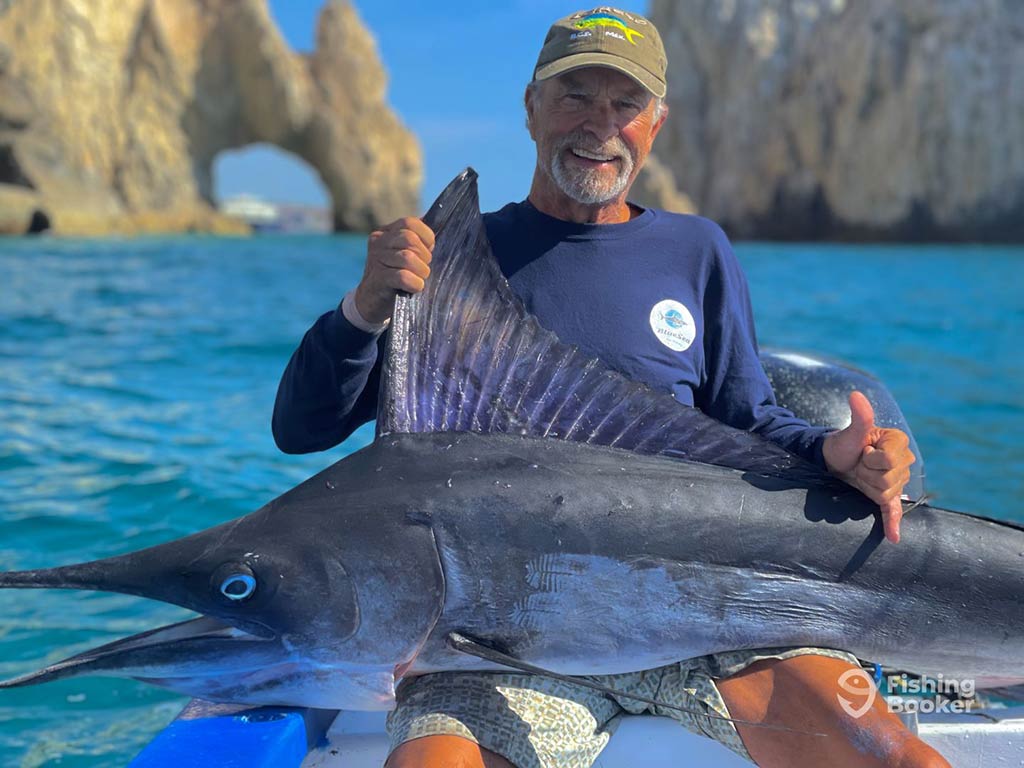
[{"x": 616, "y": 147}]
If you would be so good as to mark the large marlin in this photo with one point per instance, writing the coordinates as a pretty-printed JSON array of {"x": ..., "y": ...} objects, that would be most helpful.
[{"x": 528, "y": 497}]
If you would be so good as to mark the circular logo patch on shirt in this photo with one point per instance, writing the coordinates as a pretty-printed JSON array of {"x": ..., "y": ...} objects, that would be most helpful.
[{"x": 673, "y": 324}]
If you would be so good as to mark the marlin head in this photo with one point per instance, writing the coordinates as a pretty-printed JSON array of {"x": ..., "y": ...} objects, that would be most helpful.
[{"x": 291, "y": 599}]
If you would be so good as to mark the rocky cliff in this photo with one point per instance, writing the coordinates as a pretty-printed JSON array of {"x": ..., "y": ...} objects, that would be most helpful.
[
  {"x": 832, "y": 118},
  {"x": 112, "y": 112},
  {"x": 655, "y": 187}
]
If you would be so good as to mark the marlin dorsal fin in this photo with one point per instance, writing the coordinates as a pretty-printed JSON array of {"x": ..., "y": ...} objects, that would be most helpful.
[{"x": 464, "y": 355}]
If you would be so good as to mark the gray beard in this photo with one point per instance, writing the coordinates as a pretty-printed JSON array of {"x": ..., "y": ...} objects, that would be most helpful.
[{"x": 588, "y": 187}]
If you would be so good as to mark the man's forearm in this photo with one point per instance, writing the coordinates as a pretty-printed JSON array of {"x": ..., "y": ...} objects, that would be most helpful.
[
  {"x": 795, "y": 435},
  {"x": 329, "y": 387}
]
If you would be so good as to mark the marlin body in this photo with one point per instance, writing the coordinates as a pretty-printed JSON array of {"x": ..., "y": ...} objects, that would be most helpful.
[
  {"x": 589, "y": 560},
  {"x": 527, "y": 496}
]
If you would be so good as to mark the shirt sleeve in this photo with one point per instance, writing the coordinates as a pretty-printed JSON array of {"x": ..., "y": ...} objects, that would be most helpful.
[
  {"x": 736, "y": 389},
  {"x": 329, "y": 388}
]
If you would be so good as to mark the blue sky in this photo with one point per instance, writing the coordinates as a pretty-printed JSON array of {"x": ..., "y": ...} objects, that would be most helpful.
[{"x": 456, "y": 71}]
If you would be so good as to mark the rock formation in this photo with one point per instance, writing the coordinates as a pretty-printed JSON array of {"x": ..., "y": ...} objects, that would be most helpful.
[
  {"x": 655, "y": 187},
  {"x": 112, "y": 112},
  {"x": 838, "y": 119}
]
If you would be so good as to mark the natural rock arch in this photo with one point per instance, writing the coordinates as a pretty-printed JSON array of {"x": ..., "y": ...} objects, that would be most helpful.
[{"x": 160, "y": 87}]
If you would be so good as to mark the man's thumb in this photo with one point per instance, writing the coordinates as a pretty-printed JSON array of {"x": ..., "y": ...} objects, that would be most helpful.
[{"x": 862, "y": 416}]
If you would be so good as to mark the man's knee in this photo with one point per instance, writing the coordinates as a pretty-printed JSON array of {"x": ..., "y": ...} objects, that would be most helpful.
[
  {"x": 920, "y": 755},
  {"x": 444, "y": 751},
  {"x": 803, "y": 693},
  {"x": 887, "y": 742}
]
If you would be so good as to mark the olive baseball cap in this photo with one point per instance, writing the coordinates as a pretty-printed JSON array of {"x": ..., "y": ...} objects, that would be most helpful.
[{"x": 605, "y": 37}]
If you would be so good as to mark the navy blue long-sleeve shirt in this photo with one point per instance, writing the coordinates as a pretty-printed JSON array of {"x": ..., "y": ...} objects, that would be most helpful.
[{"x": 660, "y": 298}]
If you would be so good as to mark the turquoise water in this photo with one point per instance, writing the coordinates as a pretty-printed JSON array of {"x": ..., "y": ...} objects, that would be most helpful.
[{"x": 137, "y": 380}]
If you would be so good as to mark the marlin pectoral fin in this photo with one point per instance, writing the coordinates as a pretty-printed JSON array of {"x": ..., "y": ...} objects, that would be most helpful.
[
  {"x": 463, "y": 644},
  {"x": 465, "y": 355}
]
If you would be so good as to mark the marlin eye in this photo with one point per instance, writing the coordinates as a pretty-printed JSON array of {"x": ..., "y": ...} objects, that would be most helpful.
[
  {"x": 238, "y": 587},
  {"x": 235, "y": 582}
]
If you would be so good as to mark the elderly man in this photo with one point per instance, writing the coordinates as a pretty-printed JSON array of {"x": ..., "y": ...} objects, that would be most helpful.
[{"x": 608, "y": 275}]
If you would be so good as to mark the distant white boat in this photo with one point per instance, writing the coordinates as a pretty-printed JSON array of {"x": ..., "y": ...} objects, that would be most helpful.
[
  {"x": 265, "y": 216},
  {"x": 261, "y": 215}
]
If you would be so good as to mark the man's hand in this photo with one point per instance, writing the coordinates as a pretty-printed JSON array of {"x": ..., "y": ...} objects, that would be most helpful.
[
  {"x": 872, "y": 459},
  {"x": 397, "y": 259}
]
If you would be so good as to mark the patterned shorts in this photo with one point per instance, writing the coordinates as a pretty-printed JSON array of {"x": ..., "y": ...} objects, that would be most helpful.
[{"x": 539, "y": 722}]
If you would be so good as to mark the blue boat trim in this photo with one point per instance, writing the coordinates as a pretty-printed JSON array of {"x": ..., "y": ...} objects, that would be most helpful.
[{"x": 225, "y": 735}]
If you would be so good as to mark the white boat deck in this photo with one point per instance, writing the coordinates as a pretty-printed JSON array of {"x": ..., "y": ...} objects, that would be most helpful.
[{"x": 984, "y": 739}]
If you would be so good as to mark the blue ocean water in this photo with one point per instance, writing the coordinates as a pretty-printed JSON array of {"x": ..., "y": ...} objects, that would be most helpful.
[{"x": 137, "y": 379}]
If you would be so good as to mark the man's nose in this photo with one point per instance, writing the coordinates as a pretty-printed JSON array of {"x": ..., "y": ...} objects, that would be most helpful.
[{"x": 602, "y": 122}]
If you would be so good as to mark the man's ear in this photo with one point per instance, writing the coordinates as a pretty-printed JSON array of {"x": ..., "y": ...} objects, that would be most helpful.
[
  {"x": 660, "y": 121},
  {"x": 528, "y": 102}
]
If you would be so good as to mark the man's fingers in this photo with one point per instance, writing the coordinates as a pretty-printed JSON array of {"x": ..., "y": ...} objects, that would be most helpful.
[
  {"x": 404, "y": 280},
  {"x": 404, "y": 240},
  {"x": 415, "y": 227},
  {"x": 880, "y": 463},
  {"x": 877, "y": 484},
  {"x": 891, "y": 440},
  {"x": 426, "y": 234},
  {"x": 880, "y": 460},
  {"x": 407, "y": 259},
  {"x": 402, "y": 234},
  {"x": 892, "y": 513}
]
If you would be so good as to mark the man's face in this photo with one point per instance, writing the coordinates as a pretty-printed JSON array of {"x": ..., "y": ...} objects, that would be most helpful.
[{"x": 594, "y": 128}]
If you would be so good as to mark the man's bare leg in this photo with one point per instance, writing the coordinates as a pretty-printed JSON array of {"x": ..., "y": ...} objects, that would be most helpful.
[
  {"x": 803, "y": 693},
  {"x": 444, "y": 752}
]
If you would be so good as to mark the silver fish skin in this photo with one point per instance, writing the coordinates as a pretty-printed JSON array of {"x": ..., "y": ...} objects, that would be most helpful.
[{"x": 590, "y": 560}]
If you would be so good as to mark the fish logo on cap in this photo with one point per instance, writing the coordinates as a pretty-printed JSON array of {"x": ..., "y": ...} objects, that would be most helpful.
[
  {"x": 605, "y": 37},
  {"x": 608, "y": 20}
]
